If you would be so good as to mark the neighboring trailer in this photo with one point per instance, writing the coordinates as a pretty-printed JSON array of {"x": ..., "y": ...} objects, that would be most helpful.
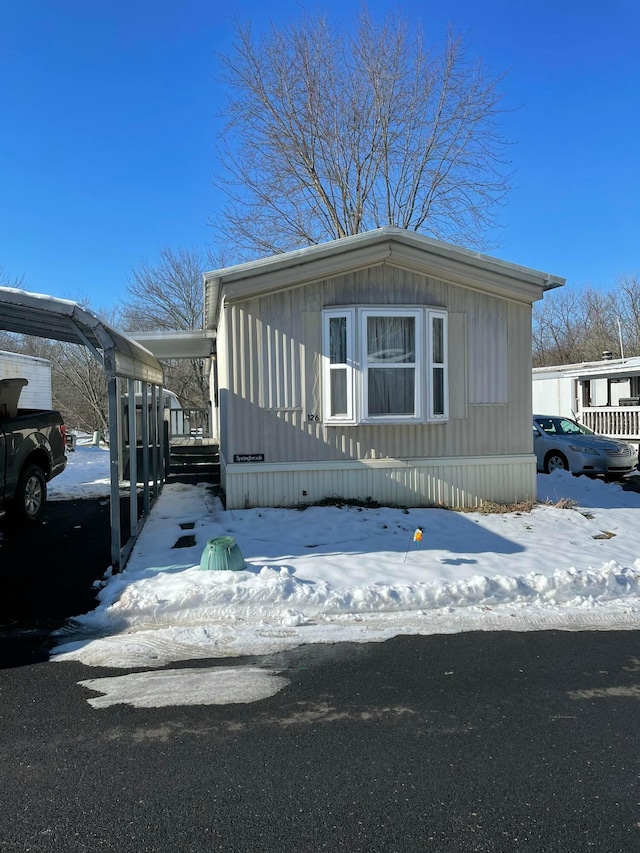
[
  {"x": 37, "y": 394},
  {"x": 603, "y": 395},
  {"x": 387, "y": 366}
]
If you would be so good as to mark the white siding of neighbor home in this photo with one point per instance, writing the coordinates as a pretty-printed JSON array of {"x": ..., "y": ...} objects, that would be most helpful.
[
  {"x": 37, "y": 394},
  {"x": 618, "y": 390},
  {"x": 554, "y": 396},
  {"x": 274, "y": 382},
  {"x": 600, "y": 392}
]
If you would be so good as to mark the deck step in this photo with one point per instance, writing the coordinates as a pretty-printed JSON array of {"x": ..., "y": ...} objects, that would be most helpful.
[
  {"x": 194, "y": 450},
  {"x": 213, "y": 469},
  {"x": 195, "y": 460}
]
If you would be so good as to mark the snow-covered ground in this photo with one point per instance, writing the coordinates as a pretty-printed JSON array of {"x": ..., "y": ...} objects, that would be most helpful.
[{"x": 329, "y": 574}]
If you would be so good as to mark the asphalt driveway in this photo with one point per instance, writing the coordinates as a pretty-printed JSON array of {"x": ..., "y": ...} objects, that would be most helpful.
[{"x": 47, "y": 574}]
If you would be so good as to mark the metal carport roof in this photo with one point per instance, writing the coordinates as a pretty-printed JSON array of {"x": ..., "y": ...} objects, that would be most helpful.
[
  {"x": 63, "y": 320},
  {"x": 46, "y": 316}
]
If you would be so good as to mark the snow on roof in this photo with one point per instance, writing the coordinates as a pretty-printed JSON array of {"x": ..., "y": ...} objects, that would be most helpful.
[
  {"x": 405, "y": 247},
  {"x": 604, "y": 367},
  {"x": 63, "y": 320}
]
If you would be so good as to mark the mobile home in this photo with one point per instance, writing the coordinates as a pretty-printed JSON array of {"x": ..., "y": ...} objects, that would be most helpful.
[
  {"x": 386, "y": 365},
  {"x": 603, "y": 395}
]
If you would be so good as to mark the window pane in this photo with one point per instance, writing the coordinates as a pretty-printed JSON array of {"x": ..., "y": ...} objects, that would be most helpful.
[
  {"x": 391, "y": 339},
  {"x": 338, "y": 392},
  {"x": 438, "y": 391},
  {"x": 338, "y": 340},
  {"x": 391, "y": 391},
  {"x": 438, "y": 340}
]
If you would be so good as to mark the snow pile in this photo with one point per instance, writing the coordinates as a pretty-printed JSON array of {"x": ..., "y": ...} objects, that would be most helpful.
[
  {"x": 86, "y": 475},
  {"x": 329, "y": 574}
]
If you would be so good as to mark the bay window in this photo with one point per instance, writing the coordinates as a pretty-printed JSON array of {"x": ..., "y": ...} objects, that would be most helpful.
[
  {"x": 438, "y": 386},
  {"x": 384, "y": 365},
  {"x": 337, "y": 347},
  {"x": 391, "y": 363}
]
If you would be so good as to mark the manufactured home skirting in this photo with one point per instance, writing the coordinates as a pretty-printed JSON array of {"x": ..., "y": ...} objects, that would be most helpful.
[{"x": 452, "y": 482}]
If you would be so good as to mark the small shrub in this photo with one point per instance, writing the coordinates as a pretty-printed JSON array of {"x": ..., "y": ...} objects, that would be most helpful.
[
  {"x": 493, "y": 508},
  {"x": 339, "y": 503},
  {"x": 566, "y": 503}
]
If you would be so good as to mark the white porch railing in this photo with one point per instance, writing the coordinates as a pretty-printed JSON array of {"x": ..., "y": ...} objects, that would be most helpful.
[
  {"x": 193, "y": 423},
  {"x": 613, "y": 421}
]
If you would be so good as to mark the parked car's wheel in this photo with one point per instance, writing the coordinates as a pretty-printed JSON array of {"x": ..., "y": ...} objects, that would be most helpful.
[
  {"x": 31, "y": 494},
  {"x": 555, "y": 460}
]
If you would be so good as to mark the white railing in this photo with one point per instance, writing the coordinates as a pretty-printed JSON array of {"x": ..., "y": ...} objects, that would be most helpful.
[
  {"x": 194, "y": 423},
  {"x": 614, "y": 421}
]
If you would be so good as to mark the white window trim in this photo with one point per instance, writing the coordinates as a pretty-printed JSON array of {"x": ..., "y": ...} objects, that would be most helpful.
[
  {"x": 357, "y": 371},
  {"x": 431, "y": 364},
  {"x": 350, "y": 417},
  {"x": 416, "y": 365}
]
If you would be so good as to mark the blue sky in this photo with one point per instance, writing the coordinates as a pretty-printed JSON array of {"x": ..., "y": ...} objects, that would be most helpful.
[{"x": 108, "y": 128}]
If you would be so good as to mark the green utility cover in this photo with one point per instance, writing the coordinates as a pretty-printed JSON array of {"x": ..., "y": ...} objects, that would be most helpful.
[{"x": 222, "y": 555}]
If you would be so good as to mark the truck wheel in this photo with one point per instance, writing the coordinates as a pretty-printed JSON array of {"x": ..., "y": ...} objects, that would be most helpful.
[{"x": 31, "y": 495}]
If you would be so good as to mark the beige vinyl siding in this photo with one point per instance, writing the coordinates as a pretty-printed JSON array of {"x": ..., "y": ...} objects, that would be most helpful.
[
  {"x": 274, "y": 376},
  {"x": 487, "y": 337},
  {"x": 457, "y": 483},
  {"x": 225, "y": 406},
  {"x": 520, "y": 367},
  {"x": 215, "y": 407},
  {"x": 457, "y": 366}
]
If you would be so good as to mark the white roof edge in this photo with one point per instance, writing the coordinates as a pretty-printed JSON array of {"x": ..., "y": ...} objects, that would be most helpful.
[
  {"x": 178, "y": 343},
  {"x": 175, "y": 334},
  {"x": 616, "y": 365},
  {"x": 252, "y": 269},
  {"x": 22, "y": 355}
]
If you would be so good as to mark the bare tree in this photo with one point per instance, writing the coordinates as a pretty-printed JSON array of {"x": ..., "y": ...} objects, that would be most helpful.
[
  {"x": 166, "y": 295},
  {"x": 625, "y": 307},
  {"x": 572, "y": 325},
  {"x": 8, "y": 341},
  {"x": 78, "y": 381},
  {"x": 331, "y": 134},
  {"x": 169, "y": 295},
  {"x": 79, "y": 386},
  {"x": 7, "y": 280}
]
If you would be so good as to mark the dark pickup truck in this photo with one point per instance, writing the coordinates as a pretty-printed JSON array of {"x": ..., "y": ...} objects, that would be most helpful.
[{"x": 32, "y": 451}]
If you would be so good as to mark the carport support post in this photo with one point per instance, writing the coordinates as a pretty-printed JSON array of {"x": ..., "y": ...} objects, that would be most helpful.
[
  {"x": 161, "y": 465},
  {"x": 114, "y": 464},
  {"x": 145, "y": 448},
  {"x": 133, "y": 459},
  {"x": 154, "y": 439}
]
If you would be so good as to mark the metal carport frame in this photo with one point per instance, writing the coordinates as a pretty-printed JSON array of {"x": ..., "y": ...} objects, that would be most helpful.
[{"x": 45, "y": 316}]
